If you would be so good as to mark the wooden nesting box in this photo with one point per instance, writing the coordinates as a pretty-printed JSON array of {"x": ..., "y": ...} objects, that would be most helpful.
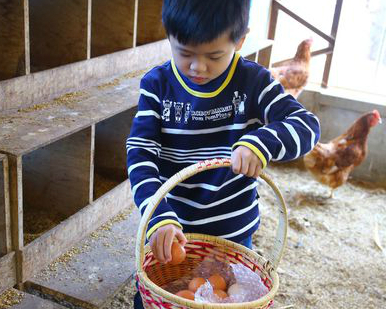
[
  {"x": 110, "y": 151},
  {"x": 68, "y": 99},
  {"x": 7, "y": 257},
  {"x": 149, "y": 26},
  {"x": 54, "y": 157},
  {"x": 112, "y": 26},
  {"x": 12, "y": 40},
  {"x": 58, "y": 32}
]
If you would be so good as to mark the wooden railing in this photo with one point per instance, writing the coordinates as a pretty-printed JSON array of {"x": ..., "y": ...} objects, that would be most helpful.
[{"x": 265, "y": 55}]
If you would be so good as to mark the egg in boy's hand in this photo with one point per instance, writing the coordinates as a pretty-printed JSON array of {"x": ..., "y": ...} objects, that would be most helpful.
[{"x": 178, "y": 253}]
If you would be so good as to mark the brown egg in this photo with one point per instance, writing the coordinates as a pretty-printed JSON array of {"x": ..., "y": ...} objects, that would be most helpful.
[
  {"x": 178, "y": 254},
  {"x": 195, "y": 283},
  {"x": 186, "y": 294},
  {"x": 217, "y": 282},
  {"x": 220, "y": 293}
]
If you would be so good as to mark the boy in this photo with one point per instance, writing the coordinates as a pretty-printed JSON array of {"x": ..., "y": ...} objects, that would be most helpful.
[{"x": 208, "y": 102}]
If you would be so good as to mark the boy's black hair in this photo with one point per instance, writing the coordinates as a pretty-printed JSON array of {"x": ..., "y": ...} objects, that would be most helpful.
[{"x": 201, "y": 21}]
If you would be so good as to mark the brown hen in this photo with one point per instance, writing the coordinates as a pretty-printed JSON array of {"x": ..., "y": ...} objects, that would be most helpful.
[
  {"x": 331, "y": 163},
  {"x": 293, "y": 74}
]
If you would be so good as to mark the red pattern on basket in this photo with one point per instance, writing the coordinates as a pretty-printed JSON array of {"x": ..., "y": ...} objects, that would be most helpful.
[
  {"x": 217, "y": 161},
  {"x": 154, "y": 300}
]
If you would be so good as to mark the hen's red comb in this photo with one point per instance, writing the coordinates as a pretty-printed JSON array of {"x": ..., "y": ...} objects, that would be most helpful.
[{"x": 377, "y": 116}]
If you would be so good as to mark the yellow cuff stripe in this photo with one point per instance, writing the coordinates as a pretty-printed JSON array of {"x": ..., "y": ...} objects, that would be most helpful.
[
  {"x": 207, "y": 94},
  {"x": 162, "y": 223},
  {"x": 255, "y": 150}
]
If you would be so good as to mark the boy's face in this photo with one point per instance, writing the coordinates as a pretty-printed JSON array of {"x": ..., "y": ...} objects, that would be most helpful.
[{"x": 204, "y": 62}]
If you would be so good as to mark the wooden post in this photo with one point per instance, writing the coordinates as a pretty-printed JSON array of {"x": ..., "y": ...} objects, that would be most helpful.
[
  {"x": 26, "y": 38},
  {"x": 92, "y": 163},
  {"x": 5, "y": 215},
  {"x": 135, "y": 24},
  {"x": 264, "y": 55},
  {"x": 334, "y": 31},
  {"x": 16, "y": 201},
  {"x": 89, "y": 33}
]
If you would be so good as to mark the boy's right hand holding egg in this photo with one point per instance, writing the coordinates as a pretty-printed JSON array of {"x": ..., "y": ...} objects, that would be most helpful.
[{"x": 162, "y": 239}]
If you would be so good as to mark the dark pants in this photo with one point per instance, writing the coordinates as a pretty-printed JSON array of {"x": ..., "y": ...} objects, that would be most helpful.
[{"x": 247, "y": 242}]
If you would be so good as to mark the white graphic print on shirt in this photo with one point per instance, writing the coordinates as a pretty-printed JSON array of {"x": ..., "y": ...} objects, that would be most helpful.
[
  {"x": 239, "y": 103},
  {"x": 185, "y": 111}
]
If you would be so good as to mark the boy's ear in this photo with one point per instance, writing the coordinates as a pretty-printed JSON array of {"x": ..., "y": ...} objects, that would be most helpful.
[{"x": 240, "y": 43}]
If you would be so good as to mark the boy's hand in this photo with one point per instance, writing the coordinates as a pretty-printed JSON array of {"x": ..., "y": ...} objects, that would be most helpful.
[
  {"x": 161, "y": 241},
  {"x": 245, "y": 162}
]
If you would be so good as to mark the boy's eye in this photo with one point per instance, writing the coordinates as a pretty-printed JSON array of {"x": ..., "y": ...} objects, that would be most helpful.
[
  {"x": 215, "y": 58},
  {"x": 184, "y": 55}
]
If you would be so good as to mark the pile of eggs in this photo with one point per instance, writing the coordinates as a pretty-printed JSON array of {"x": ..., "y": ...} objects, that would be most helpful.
[{"x": 217, "y": 282}]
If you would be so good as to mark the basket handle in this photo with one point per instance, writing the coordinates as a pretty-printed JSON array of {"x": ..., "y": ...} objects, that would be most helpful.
[{"x": 273, "y": 257}]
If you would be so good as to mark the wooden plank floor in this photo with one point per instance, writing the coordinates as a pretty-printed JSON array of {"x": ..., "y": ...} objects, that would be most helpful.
[{"x": 92, "y": 272}]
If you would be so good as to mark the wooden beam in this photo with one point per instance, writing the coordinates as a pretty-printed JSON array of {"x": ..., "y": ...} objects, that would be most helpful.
[
  {"x": 89, "y": 27},
  {"x": 5, "y": 212},
  {"x": 264, "y": 55},
  {"x": 334, "y": 31},
  {"x": 16, "y": 203},
  {"x": 27, "y": 38},
  {"x": 305, "y": 23},
  {"x": 92, "y": 165},
  {"x": 34, "y": 88},
  {"x": 16, "y": 200},
  {"x": 327, "y": 50},
  {"x": 135, "y": 24}
]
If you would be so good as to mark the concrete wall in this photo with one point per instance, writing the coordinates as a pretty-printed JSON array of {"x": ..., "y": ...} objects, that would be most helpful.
[{"x": 336, "y": 114}]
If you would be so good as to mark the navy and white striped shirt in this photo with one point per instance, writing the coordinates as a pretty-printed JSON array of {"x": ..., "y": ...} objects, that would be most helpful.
[{"x": 179, "y": 123}]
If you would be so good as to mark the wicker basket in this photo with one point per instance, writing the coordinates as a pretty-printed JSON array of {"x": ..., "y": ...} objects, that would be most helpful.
[{"x": 151, "y": 274}]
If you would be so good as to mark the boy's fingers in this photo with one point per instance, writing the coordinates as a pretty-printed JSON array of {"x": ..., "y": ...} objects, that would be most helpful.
[
  {"x": 259, "y": 167},
  {"x": 251, "y": 169},
  {"x": 181, "y": 237},
  {"x": 257, "y": 171},
  {"x": 168, "y": 240},
  {"x": 236, "y": 163},
  {"x": 160, "y": 247},
  {"x": 245, "y": 167}
]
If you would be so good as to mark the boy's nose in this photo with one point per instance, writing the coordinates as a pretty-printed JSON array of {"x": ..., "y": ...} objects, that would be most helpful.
[{"x": 198, "y": 66}]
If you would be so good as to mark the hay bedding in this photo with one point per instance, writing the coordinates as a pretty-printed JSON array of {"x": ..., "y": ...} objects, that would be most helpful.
[{"x": 332, "y": 258}]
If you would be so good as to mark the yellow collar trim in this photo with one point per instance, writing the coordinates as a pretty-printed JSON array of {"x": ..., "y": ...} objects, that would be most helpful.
[{"x": 207, "y": 94}]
